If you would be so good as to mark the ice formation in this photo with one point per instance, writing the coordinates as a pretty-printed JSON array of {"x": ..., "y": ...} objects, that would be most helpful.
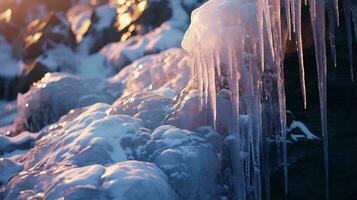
[
  {"x": 87, "y": 153},
  {"x": 47, "y": 100},
  {"x": 240, "y": 45},
  {"x": 166, "y": 73}
]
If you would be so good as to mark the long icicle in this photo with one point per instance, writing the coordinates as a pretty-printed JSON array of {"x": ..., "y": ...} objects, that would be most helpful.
[
  {"x": 318, "y": 26},
  {"x": 281, "y": 93},
  {"x": 348, "y": 20},
  {"x": 331, "y": 13},
  {"x": 298, "y": 36}
]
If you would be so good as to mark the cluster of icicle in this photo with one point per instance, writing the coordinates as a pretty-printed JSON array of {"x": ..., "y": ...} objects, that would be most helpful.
[{"x": 239, "y": 45}]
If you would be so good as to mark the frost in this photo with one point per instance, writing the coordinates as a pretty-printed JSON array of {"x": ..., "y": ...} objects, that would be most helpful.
[
  {"x": 8, "y": 168},
  {"x": 151, "y": 108},
  {"x": 187, "y": 158},
  {"x": 84, "y": 138},
  {"x": 123, "y": 53},
  {"x": 8, "y": 112},
  {"x": 9, "y": 65},
  {"x": 299, "y": 125},
  {"x": 23, "y": 141},
  {"x": 48, "y": 100},
  {"x": 166, "y": 73},
  {"x": 137, "y": 180},
  {"x": 85, "y": 155}
]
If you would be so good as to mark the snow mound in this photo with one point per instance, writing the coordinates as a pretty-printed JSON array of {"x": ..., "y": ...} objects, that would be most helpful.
[
  {"x": 187, "y": 114},
  {"x": 188, "y": 159},
  {"x": 10, "y": 67},
  {"x": 25, "y": 140},
  {"x": 134, "y": 180},
  {"x": 60, "y": 59},
  {"x": 149, "y": 107},
  {"x": 130, "y": 180},
  {"x": 8, "y": 168},
  {"x": 120, "y": 54},
  {"x": 85, "y": 155},
  {"x": 48, "y": 100},
  {"x": 167, "y": 73},
  {"x": 89, "y": 136},
  {"x": 8, "y": 111}
]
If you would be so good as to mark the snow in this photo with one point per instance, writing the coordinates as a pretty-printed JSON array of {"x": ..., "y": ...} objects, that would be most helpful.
[
  {"x": 23, "y": 141},
  {"x": 167, "y": 73},
  {"x": 229, "y": 75},
  {"x": 91, "y": 137},
  {"x": 86, "y": 153},
  {"x": 47, "y": 100},
  {"x": 137, "y": 180},
  {"x": 106, "y": 15},
  {"x": 151, "y": 108},
  {"x": 126, "y": 180},
  {"x": 8, "y": 168},
  {"x": 79, "y": 17},
  {"x": 60, "y": 59},
  {"x": 188, "y": 159},
  {"x": 10, "y": 67},
  {"x": 121, "y": 54},
  {"x": 8, "y": 112},
  {"x": 299, "y": 125}
]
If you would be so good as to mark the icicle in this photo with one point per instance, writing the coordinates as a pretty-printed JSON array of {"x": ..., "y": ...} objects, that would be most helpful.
[
  {"x": 354, "y": 17},
  {"x": 337, "y": 13},
  {"x": 332, "y": 15},
  {"x": 287, "y": 15},
  {"x": 313, "y": 8},
  {"x": 260, "y": 20},
  {"x": 318, "y": 27},
  {"x": 348, "y": 19},
  {"x": 298, "y": 36},
  {"x": 212, "y": 87}
]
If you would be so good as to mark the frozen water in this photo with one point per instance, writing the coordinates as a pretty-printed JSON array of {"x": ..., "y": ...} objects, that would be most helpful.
[
  {"x": 92, "y": 137},
  {"x": 137, "y": 180},
  {"x": 48, "y": 99},
  {"x": 85, "y": 153},
  {"x": 8, "y": 168},
  {"x": 129, "y": 180},
  {"x": 10, "y": 67},
  {"x": 8, "y": 112},
  {"x": 188, "y": 159},
  {"x": 151, "y": 108},
  {"x": 240, "y": 45},
  {"x": 166, "y": 73},
  {"x": 121, "y": 54},
  {"x": 25, "y": 140}
]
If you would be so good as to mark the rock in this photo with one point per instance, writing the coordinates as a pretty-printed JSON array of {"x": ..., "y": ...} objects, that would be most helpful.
[
  {"x": 42, "y": 35},
  {"x": 80, "y": 18},
  {"x": 118, "y": 22},
  {"x": 9, "y": 31},
  {"x": 101, "y": 30}
]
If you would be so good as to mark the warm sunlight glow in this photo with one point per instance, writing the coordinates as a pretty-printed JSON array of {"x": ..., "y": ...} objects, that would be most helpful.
[
  {"x": 6, "y": 15},
  {"x": 33, "y": 38}
]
